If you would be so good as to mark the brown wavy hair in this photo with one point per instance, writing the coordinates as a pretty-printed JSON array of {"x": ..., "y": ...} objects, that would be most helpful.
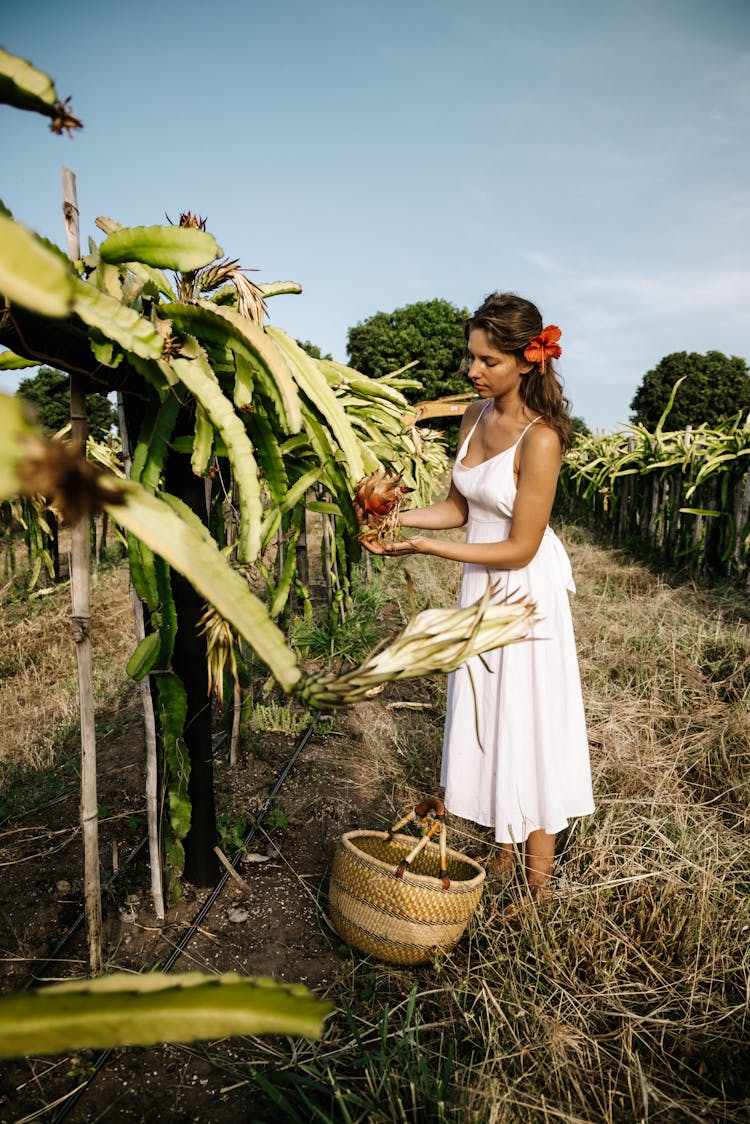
[{"x": 511, "y": 322}]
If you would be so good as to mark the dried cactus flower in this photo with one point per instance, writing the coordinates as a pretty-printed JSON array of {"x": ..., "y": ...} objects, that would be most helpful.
[
  {"x": 250, "y": 302},
  {"x": 377, "y": 502},
  {"x": 435, "y": 640},
  {"x": 220, "y": 650},
  {"x": 187, "y": 218},
  {"x": 63, "y": 120},
  {"x": 71, "y": 485}
]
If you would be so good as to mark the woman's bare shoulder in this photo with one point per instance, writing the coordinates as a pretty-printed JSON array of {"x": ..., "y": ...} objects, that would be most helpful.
[
  {"x": 471, "y": 415},
  {"x": 542, "y": 439},
  {"x": 473, "y": 410}
]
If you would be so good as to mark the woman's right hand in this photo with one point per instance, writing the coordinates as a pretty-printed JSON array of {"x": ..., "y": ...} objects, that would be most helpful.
[{"x": 397, "y": 547}]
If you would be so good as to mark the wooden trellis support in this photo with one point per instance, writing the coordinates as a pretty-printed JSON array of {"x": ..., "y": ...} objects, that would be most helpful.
[{"x": 81, "y": 631}]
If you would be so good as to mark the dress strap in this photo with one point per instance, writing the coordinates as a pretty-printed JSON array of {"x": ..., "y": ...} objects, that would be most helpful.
[
  {"x": 480, "y": 415},
  {"x": 518, "y": 444},
  {"x": 528, "y": 427}
]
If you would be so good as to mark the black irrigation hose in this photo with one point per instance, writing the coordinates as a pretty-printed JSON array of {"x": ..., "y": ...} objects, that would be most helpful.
[{"x": 101, "y": 1059}]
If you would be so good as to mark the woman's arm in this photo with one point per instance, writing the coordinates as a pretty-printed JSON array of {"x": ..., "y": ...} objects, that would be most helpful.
[
  {"x": 450, "y": 512},
  {"x": 453, "y": 510},
  {"x": 539, "y": 468}
]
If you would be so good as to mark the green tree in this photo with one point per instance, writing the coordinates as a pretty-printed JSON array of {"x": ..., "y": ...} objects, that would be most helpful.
[
  {"x": 430, "y": 331},
  {"x": 313, "y": 350},
  {"x": 716, "y": 387},
  {"x": 49, "y": 393}
]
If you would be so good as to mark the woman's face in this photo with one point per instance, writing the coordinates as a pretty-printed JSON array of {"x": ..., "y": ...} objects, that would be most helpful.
[{"x": 493, "y": 373}]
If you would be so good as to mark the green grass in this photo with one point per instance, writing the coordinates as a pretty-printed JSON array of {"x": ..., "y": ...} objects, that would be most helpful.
[
  {"x": 25, "y": 791},
  {"x": 348, "y": 640},
  {"x": 381, "y": 1068}
]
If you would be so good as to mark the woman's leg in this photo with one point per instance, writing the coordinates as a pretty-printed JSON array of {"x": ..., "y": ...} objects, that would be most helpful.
[
  {"x": 540, "y": 852},
  {"x": 505, "y": 864}
]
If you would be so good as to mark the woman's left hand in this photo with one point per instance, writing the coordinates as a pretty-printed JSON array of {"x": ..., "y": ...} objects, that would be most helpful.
[{"x": 413, "y": 545}]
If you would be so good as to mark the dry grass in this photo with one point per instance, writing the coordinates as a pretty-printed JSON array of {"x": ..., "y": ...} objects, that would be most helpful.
[
  {"x": 38, "y": 676},
  {"x": 623, "y": 997}
]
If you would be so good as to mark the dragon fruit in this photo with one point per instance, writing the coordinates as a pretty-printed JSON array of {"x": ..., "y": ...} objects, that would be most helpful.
[{"x": 377, "y": 502}]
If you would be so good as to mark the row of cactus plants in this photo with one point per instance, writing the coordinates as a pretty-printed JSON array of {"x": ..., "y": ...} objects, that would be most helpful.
[{"x": 683, "y": 496}]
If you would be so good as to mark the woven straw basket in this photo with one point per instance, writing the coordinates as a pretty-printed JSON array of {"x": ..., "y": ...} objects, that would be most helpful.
[{"x": 397, "y": 910}]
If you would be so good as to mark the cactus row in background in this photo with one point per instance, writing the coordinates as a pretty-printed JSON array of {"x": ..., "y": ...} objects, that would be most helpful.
[{"x": 684, "y": 495}]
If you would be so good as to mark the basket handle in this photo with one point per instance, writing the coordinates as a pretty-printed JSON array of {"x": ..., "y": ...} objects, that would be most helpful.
[
  {"x": 421, "y": 812},
  {"x": 430, "y": 804}
]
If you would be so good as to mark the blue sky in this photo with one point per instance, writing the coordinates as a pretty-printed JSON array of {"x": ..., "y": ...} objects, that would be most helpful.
[{"x": 592, "y": 156}]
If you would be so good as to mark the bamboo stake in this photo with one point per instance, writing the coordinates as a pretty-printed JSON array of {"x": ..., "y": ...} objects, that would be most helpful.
[
  {"x": 303, "y": 565},
  {"x": 98, "y": 539},
  {"x": 741, "y": 513},
  {"x": 149, "y": 720},
  {"x": 326, "y": 545},
  {"x": 81, "y": 632},
  {"x": 234, "y": 741}
]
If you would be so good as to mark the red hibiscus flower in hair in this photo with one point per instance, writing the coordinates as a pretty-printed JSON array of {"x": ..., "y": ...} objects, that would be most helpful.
[{"x": 544, "y": 346}]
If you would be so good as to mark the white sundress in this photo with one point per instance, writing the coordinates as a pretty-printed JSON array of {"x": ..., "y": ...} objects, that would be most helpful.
[{"x": 530, "y": 767}]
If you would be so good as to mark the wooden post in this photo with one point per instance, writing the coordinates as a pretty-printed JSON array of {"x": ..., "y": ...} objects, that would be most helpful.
[
  {"x": 81, "y": 632},
  {"x": 99, "y": 532},
  {"x": 655, "y": 515},
  {"x": 189, "y": 665},
  {"x": 675, "y": 498},
  {"x": 628, "y": 504},
  {"x": 326, "y": 547},
  {"x": 695, "y": 531},
  {"x": 70, "y": 213},
  {"x": 234, "y": 738},
  {"x": 303, "y": 565},
  {"x": 741, "y": 515},
  {"x": 149, "y": 719}
]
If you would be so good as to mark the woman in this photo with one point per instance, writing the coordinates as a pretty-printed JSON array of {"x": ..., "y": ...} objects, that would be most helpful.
[{"x": 515, "y": 752}]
